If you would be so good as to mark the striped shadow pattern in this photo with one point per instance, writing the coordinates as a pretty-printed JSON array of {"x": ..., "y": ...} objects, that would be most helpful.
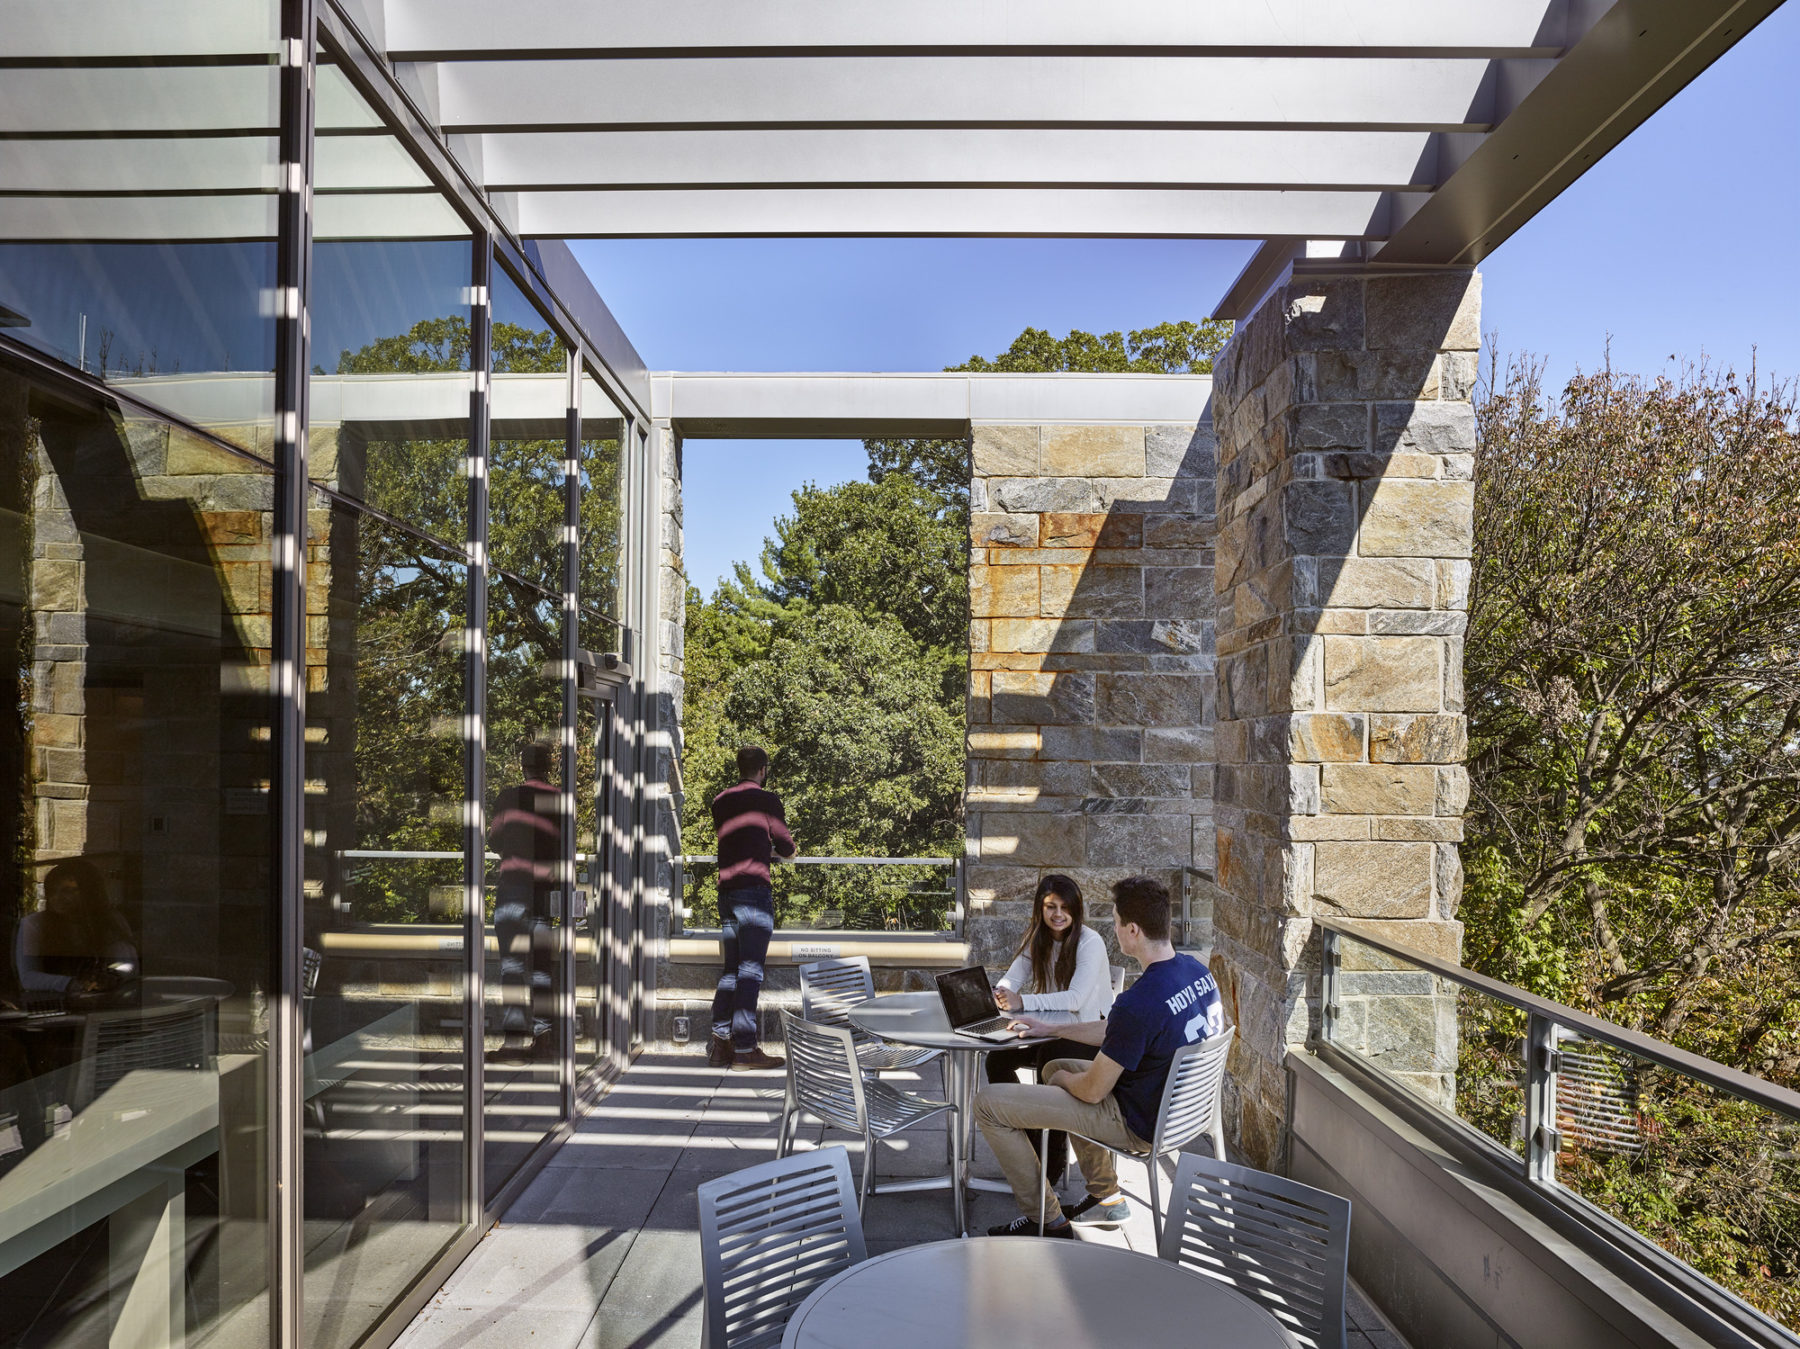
[
  {"x": 830, "y": 988},
  {"x": 769, "y": 1235},
  {"x": 1284, "y": 1245}
]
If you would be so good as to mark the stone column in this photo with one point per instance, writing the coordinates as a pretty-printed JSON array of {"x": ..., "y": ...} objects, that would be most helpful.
[
  {"x": 1091, "y": 669},
  {"x": 1345, "y": 493}
]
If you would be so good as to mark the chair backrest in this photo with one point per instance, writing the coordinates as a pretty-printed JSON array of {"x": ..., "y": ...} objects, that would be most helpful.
[
  {"x": 769, "y": 1235},
  {"x": 1190, "y": 1101},
  {"x": 117, "y": 1041},
  {"x": 823, "y": 1074},
  {"x": 830, "y": 988},
  {"x": 1282, "y": 1244},
  {"x": 1118, "y": 978}
]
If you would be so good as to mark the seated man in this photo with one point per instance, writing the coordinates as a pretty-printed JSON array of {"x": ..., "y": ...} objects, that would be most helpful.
[{"x": 1114, "y": 1099}]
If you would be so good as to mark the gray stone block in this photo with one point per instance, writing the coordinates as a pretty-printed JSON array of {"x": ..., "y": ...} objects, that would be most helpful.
[
  {"x": 1025, "y": 495},
  {"x": 1139, "y": 841},
  {"x": 1181, "y": 452},
  {"x": 1178, "y": 593},
  {"x": 1319, "y": 517}
]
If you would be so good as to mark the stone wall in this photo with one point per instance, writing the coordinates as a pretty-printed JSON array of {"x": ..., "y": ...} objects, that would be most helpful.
[
  {"x": 1345, "y": 440},
  {"x": 1091, "y": 687}
]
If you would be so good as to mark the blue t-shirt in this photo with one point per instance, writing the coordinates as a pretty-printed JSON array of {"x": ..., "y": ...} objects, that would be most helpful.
[{"x": 1173, "y": 1003}]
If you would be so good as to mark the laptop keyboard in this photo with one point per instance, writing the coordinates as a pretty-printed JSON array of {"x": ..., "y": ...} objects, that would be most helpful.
[{"x": 988, "y": 1027}]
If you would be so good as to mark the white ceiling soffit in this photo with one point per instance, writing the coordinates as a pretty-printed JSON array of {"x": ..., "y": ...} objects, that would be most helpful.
[{"x": 1413, "y": 130}]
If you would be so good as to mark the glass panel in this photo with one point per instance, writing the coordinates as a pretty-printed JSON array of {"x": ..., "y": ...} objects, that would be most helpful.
[
  {"x": 592, "y": 858},
  {"x": 1403, "y": 1020},
  {"x": 1711, "y": 1178},
  {"x": 137, "y": 239},
  {"x": 853, "y": 897},
  {"x": 385, "y": 1157},
  {"x": 600, "y": 518},
  {"x": 135, "y": 883},
  {"x": 384, "y": 1080}
]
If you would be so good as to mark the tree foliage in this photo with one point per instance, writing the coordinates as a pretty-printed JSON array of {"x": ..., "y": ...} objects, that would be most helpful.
[{"x": 1170, "y": 348}]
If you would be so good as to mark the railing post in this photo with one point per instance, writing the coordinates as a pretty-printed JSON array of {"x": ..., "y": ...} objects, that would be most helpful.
[
  {"x": 1331, "y": 959},
  {"x": 962, "y": 896},
  {"x": 1542, "y": 1142}
]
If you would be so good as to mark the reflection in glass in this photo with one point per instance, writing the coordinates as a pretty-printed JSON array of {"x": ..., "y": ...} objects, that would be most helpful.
[
  {"x": 601, "y": 427},
  {"x": 384, "y": 1079},
  {"x": 137, "y": 210},
  {"x": 134, "y": 909}
]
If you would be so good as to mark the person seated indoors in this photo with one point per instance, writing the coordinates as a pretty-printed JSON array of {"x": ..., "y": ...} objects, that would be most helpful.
[
  {"x": 1061, "y": 966},
  {"x": 78, "y": 943},
  {"x": 1115, "y": 1098}
]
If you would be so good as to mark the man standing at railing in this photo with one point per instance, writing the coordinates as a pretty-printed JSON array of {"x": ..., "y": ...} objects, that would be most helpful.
[{"x": 752, "y": 829}]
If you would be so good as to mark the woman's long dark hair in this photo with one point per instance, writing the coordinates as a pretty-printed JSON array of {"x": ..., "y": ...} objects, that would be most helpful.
[
  {"x": 95, "y": 926},
  {"x": 1040, "y": 940}
]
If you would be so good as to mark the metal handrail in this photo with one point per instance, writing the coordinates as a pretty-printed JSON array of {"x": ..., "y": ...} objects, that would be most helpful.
[
  {"x": 1754, "y": 1089},
  {"x": 958, "y": 884},
  {"x": 839, "y": 861}
]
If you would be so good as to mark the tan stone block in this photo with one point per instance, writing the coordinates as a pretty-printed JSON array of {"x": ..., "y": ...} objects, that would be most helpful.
[
  {"x": 1377, "y": 789},
  {"x": 1002, "y": 592},
  {"x": 1386, "y": 583},
  {"x": 1003, "y": 531},
  {"x": 56, "y": 729},
  {"x": 981, "y": 689},
  {"x": 1373, "y": 880},
  {"x": 1383, "y": 674},
  {"x": 1452, "y": 585},
  {"x": 1413, "y": 518},
  {"x": 189, "y": 455},
  {"x": 1093, "y": 452},
  {"x": 1041, "y": 634},
  {"x": 1428, "y": 738},
  {"x": 1091, "y": 592},
  {"x": 56, "y": 586},
  {"x": 1034, "y": 838},
  {"x": 232, "y": 527},
  {"x": 1006, "y": 660},
  {"x": 68, "y": 825},
  {"x": 1325, "y": 737},
  {"x": 1452, "y": 791},
  {"x": 1327, "y": 828},
  {"x": 980, "y": 634},
  {"x": 1005, "y": 451},
  {"x": 1410, "y": 829},
  {"x": 1436, "y": 937},
  {"x": 1338, "y": 622},
  {"x": 1005, "y": 742}
]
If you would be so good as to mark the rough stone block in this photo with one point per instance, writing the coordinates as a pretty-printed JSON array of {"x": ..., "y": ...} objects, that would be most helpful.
[
  {"x": 1427, "y": 738},
  {"x": 1449, "y": 880},
  {"x": 1154, "y": 699},
  {"x": 1180, "y": 744},
  {"x": 1452, "y": 591},
  {"x": 980, "y": 634},
  {"x": 1034, "y": 838},
  {"x": 1093, "y": 529},
  {"x": 1424, "y": 312},
  {"x": 1159, "y": 637},
  {"x": 1318, "y": 517},
  {"x": 1374, "y": 880},
  {"x": 1092, "y": 452},
  {"x": 1340, "y": 376},
  {"x": 1383, "y": 674},
  {"x": 1425, "y": 428},
  {"x": 1030, "y": 776},
  {"x": 1378, "y": 789},
  {"x": 1092, "y": 592},
  {"x": 1328, "y": 426},
  {"x": 1044, "y": 699},
  {"x": 1384, "y": 583},
  {"x": 1041, "y": 634},
  {"x": 1408, "y": 829},
  {"x": 1439, "y": 938},
  {"x": 1316, "y": 314},
  {"x": 1005, "y": 451},
  {"x": 1178, "y": 592},
  {"x": 1413, "y": 518},
  {"x": 1181, "y": 452},
  {"x": 1318, "y": 737},
  {"x": 1003, "y": 531},
  {"x": 1140, "y": 780},
  {"x": 1140, "y": 841},
  {"x": 1005, "y": 742},
  {"x": 1180, "y": 531},
  {"x": 1421, "y": 622},
  {"x": 1091, "y": 744},
  {"x": 1452, "y": 790},
  {"x": 1026, "y": 495},
  {"x": 1148, "y": 496},
  {"x": 1003, "y": 592}
]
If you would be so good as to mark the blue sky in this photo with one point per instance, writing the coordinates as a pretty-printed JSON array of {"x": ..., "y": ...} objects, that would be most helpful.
[{"x": 1677, "y": 244}]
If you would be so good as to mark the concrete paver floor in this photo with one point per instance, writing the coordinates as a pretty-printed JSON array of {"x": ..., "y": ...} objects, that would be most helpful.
[{"x": 602, "y": 1251}]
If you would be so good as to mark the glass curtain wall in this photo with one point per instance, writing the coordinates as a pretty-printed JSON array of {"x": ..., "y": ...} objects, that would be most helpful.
[
  {"x": 137, "y": 248},
  {"x": 528, "y": 807},
  {"x": 385, "y": 1076}
]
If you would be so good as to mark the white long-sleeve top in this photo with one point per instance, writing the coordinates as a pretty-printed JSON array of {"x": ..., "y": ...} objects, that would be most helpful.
[{"x": 1089, "y": 993}]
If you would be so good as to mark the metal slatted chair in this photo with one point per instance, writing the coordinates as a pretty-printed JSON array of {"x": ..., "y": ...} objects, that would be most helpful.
[
  {"x": 824, "y": 1080},
  {"x": 830, "y": 988},
  {"x": 1190, "y": 1108},
  {"x": 1284, "y": 1245},
  {"x": 115, "y": 1042},
  {"x": 769, "y": 1235}
]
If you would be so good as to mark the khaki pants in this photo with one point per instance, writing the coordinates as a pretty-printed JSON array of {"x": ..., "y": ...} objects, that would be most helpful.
[{"x": 1010, "y": 1115}]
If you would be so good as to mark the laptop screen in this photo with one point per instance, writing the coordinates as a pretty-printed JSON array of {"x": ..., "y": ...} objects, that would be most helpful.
[{"x": 967, "y": 996}]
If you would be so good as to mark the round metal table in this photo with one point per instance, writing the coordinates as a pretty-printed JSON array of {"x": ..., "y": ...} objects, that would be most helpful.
[
  {"x": 918, "y": 1019},
  {"x": 1027, "y": 1291}
]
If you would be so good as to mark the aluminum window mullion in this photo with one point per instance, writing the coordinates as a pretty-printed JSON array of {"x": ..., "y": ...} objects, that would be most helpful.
[
  {"x": 475, "y": 729},
  {"x": 571, "y": 635},
  {"x": 285, "y": 1093}
]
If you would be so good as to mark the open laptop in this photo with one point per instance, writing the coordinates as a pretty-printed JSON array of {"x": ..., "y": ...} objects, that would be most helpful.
[{"x": 969, "y": 1003}]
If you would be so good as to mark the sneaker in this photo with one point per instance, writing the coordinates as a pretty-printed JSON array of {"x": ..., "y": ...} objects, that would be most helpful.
[
  {"x": 755, "y": 1061},
  {"x": 1026, "y": 1226},
  {"x": 719, "y": 1052},
  {"x": 1090, "y": 1212}
]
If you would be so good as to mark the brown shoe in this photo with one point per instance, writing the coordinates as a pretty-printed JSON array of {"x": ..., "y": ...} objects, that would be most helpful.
[
  {"x": 719, "y": 1052},
  {"x": 755, "y": 1061}
]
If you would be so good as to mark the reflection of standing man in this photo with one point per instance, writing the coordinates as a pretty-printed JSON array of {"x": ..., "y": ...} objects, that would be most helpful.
[
  {"x": 752, "y": 828},
  {"x": 527, "y": 833}
]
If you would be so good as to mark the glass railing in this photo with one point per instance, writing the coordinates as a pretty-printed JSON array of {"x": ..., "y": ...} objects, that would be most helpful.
[
  {"x": 916, "y": 895},
  {"x": 1672, "y": 1154}
]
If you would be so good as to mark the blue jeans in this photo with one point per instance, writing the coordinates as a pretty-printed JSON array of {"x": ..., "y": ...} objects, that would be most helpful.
[{"x": 747, "y": 917}]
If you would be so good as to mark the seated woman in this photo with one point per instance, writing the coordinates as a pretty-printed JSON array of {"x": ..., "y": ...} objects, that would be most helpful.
[
  {"x": 1061, "y": 966},
  {"x": 77, "y": 943}
]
